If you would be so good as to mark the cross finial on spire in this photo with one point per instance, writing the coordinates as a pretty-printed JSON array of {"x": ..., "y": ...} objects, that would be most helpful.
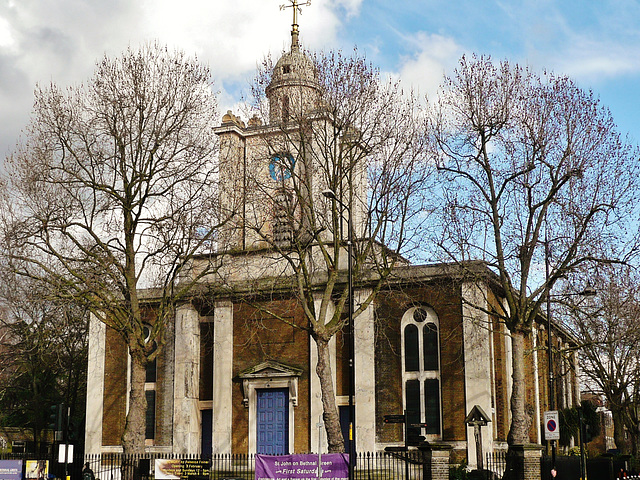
[{"x": 295, "y": 6}]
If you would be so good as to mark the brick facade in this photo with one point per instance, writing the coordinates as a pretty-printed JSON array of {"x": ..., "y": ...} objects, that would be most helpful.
[
  {"x": 501, "y": 379},
  {"x": 259, "y": 337},
  {"x": 444, "y": 298},
  {"x": 115, "y": 388}
]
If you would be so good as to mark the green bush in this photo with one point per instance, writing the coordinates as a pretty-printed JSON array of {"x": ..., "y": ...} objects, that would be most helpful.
[{"x": 459, "y": 472}]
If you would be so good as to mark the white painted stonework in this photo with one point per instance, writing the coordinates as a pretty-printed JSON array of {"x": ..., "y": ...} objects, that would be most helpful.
[
  {"x": 95, "y": 386},
  {"x": 365, "y": 393},
  {"x": 186, "y": 412},
  {"x": 478, "y": 361},
  {"x": 222, "y": 377}
]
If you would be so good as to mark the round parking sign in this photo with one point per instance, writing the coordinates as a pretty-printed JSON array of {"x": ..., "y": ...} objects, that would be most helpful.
[{"x": 551, "y": 425}]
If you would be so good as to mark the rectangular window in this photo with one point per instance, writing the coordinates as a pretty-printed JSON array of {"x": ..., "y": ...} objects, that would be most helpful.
[
  {"x": 150, "y": 417},
  {"x": 430, "y": 346},
  {"x": 151, "y": 369},
  {"x": 432, "y": 405},
  {"x": 411, "y": 353},
  {"x": 412, "y": 392},
  {"x": 206, "y": 361}
]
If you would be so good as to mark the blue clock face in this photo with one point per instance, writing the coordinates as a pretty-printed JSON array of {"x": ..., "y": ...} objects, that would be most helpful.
[{"x": 281, "y": 166}]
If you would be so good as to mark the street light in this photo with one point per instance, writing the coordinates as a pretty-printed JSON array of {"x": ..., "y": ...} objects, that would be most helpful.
[
  {"x": 330, "y": 194},
  {"x": 588, "y": 291}
]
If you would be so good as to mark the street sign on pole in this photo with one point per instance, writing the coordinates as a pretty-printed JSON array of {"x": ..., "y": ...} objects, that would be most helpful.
[
  {"x": 394, "y": 419},
  {"x": 551, "y": 425}
]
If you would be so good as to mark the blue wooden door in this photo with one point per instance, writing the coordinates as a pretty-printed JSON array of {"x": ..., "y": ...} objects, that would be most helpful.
[{"x": 273, "y": 421}]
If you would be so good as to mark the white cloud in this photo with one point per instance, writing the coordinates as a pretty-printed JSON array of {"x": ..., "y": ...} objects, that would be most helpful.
[
  {"x": 595, "y": 44},
  {"x": 61, "y": 41},
  {"x": 233, "y": 36},
  {"x": 596, "y": 61},
  {"x": 351, "y": 7},
  {"x": 53, "y": 41},
  {"x": 6, "y": 38},
  {"x": 228, "y": 35},
  {"x": 435, "y": 55}
]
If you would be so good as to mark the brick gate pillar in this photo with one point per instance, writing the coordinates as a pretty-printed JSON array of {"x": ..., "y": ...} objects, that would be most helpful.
[
  {"x": 523, "y": 462},
  {"x": 436, "y": 460}
]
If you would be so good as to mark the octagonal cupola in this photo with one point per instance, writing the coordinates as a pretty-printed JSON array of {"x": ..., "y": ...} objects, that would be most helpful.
[{"x": 293, "y": 91}]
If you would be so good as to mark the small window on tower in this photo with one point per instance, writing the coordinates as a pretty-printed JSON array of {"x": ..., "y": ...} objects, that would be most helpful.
[
  {"x": 285, "y": 109},
  {"x": 286, "y": 69}
]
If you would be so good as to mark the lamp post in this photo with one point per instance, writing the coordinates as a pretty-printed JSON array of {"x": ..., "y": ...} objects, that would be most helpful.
[
  {"x": 549, "y": 345},
  {"x": 588, "y": 291},
  {"x": 352, "y": 414}
]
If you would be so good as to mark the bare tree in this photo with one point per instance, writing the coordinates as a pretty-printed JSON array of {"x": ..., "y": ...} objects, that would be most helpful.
[
  {"x": 528, "y": 159},
  {"x": 43, "y": 351},
  {"x": 329, "y": 123},
  {"x": 113, "y": 191},
  {"x": 608, "y": 331}
]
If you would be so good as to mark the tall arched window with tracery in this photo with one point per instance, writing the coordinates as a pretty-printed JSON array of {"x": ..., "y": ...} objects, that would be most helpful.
[{"x": 421, "y": 369}]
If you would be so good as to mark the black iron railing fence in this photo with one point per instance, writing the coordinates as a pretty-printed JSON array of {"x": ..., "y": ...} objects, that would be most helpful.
[
  {"x": 604, "y": 467},
  {"x": 412, "y": 465},
  {"x": 495, "y": 464}
]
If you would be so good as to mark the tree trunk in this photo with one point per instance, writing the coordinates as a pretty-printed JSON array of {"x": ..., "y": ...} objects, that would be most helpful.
[
  {"x": 330, "y": 413},
  {"x": 520, "y": 421},
  {"x": 634, "y": 439},
  {"x": 134, "y": 431},
  {"x": 619, "y": 436},
  {"x": 36, "y": 439}
]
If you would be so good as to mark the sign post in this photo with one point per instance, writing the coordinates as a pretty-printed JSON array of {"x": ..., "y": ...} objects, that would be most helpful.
[{"x": 394, "y": 419}]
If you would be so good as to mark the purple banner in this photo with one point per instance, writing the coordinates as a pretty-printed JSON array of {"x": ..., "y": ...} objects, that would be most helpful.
[
  {"x": 10, "y": 469},
  {"x": 335, "y": 466}
]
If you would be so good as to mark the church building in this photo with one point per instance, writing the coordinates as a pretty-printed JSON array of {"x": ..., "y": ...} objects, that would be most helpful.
[{"x": 237, "y": 372}]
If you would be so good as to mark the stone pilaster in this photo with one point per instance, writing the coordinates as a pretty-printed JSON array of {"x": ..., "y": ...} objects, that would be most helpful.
[
  {"x": 186, "y": 412},
  {"x": 95, "y": 386},
  {"x": 222, "y": 377},
  {"x": 365, "y": 391},
  {"x": 478, "y": 361}
]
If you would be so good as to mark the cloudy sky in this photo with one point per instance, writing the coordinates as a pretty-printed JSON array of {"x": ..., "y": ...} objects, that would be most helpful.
[{"x": 595, "y": 42}]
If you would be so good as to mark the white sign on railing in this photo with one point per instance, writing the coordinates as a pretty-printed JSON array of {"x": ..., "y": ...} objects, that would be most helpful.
[{"x": 65, "y": 452}]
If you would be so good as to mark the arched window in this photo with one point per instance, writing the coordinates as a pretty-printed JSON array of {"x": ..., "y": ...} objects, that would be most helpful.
[{"x": 421, "y": 369}]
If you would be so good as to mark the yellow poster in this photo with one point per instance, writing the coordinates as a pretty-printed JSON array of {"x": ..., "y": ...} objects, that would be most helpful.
[{"x": 36, "y": 469}]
